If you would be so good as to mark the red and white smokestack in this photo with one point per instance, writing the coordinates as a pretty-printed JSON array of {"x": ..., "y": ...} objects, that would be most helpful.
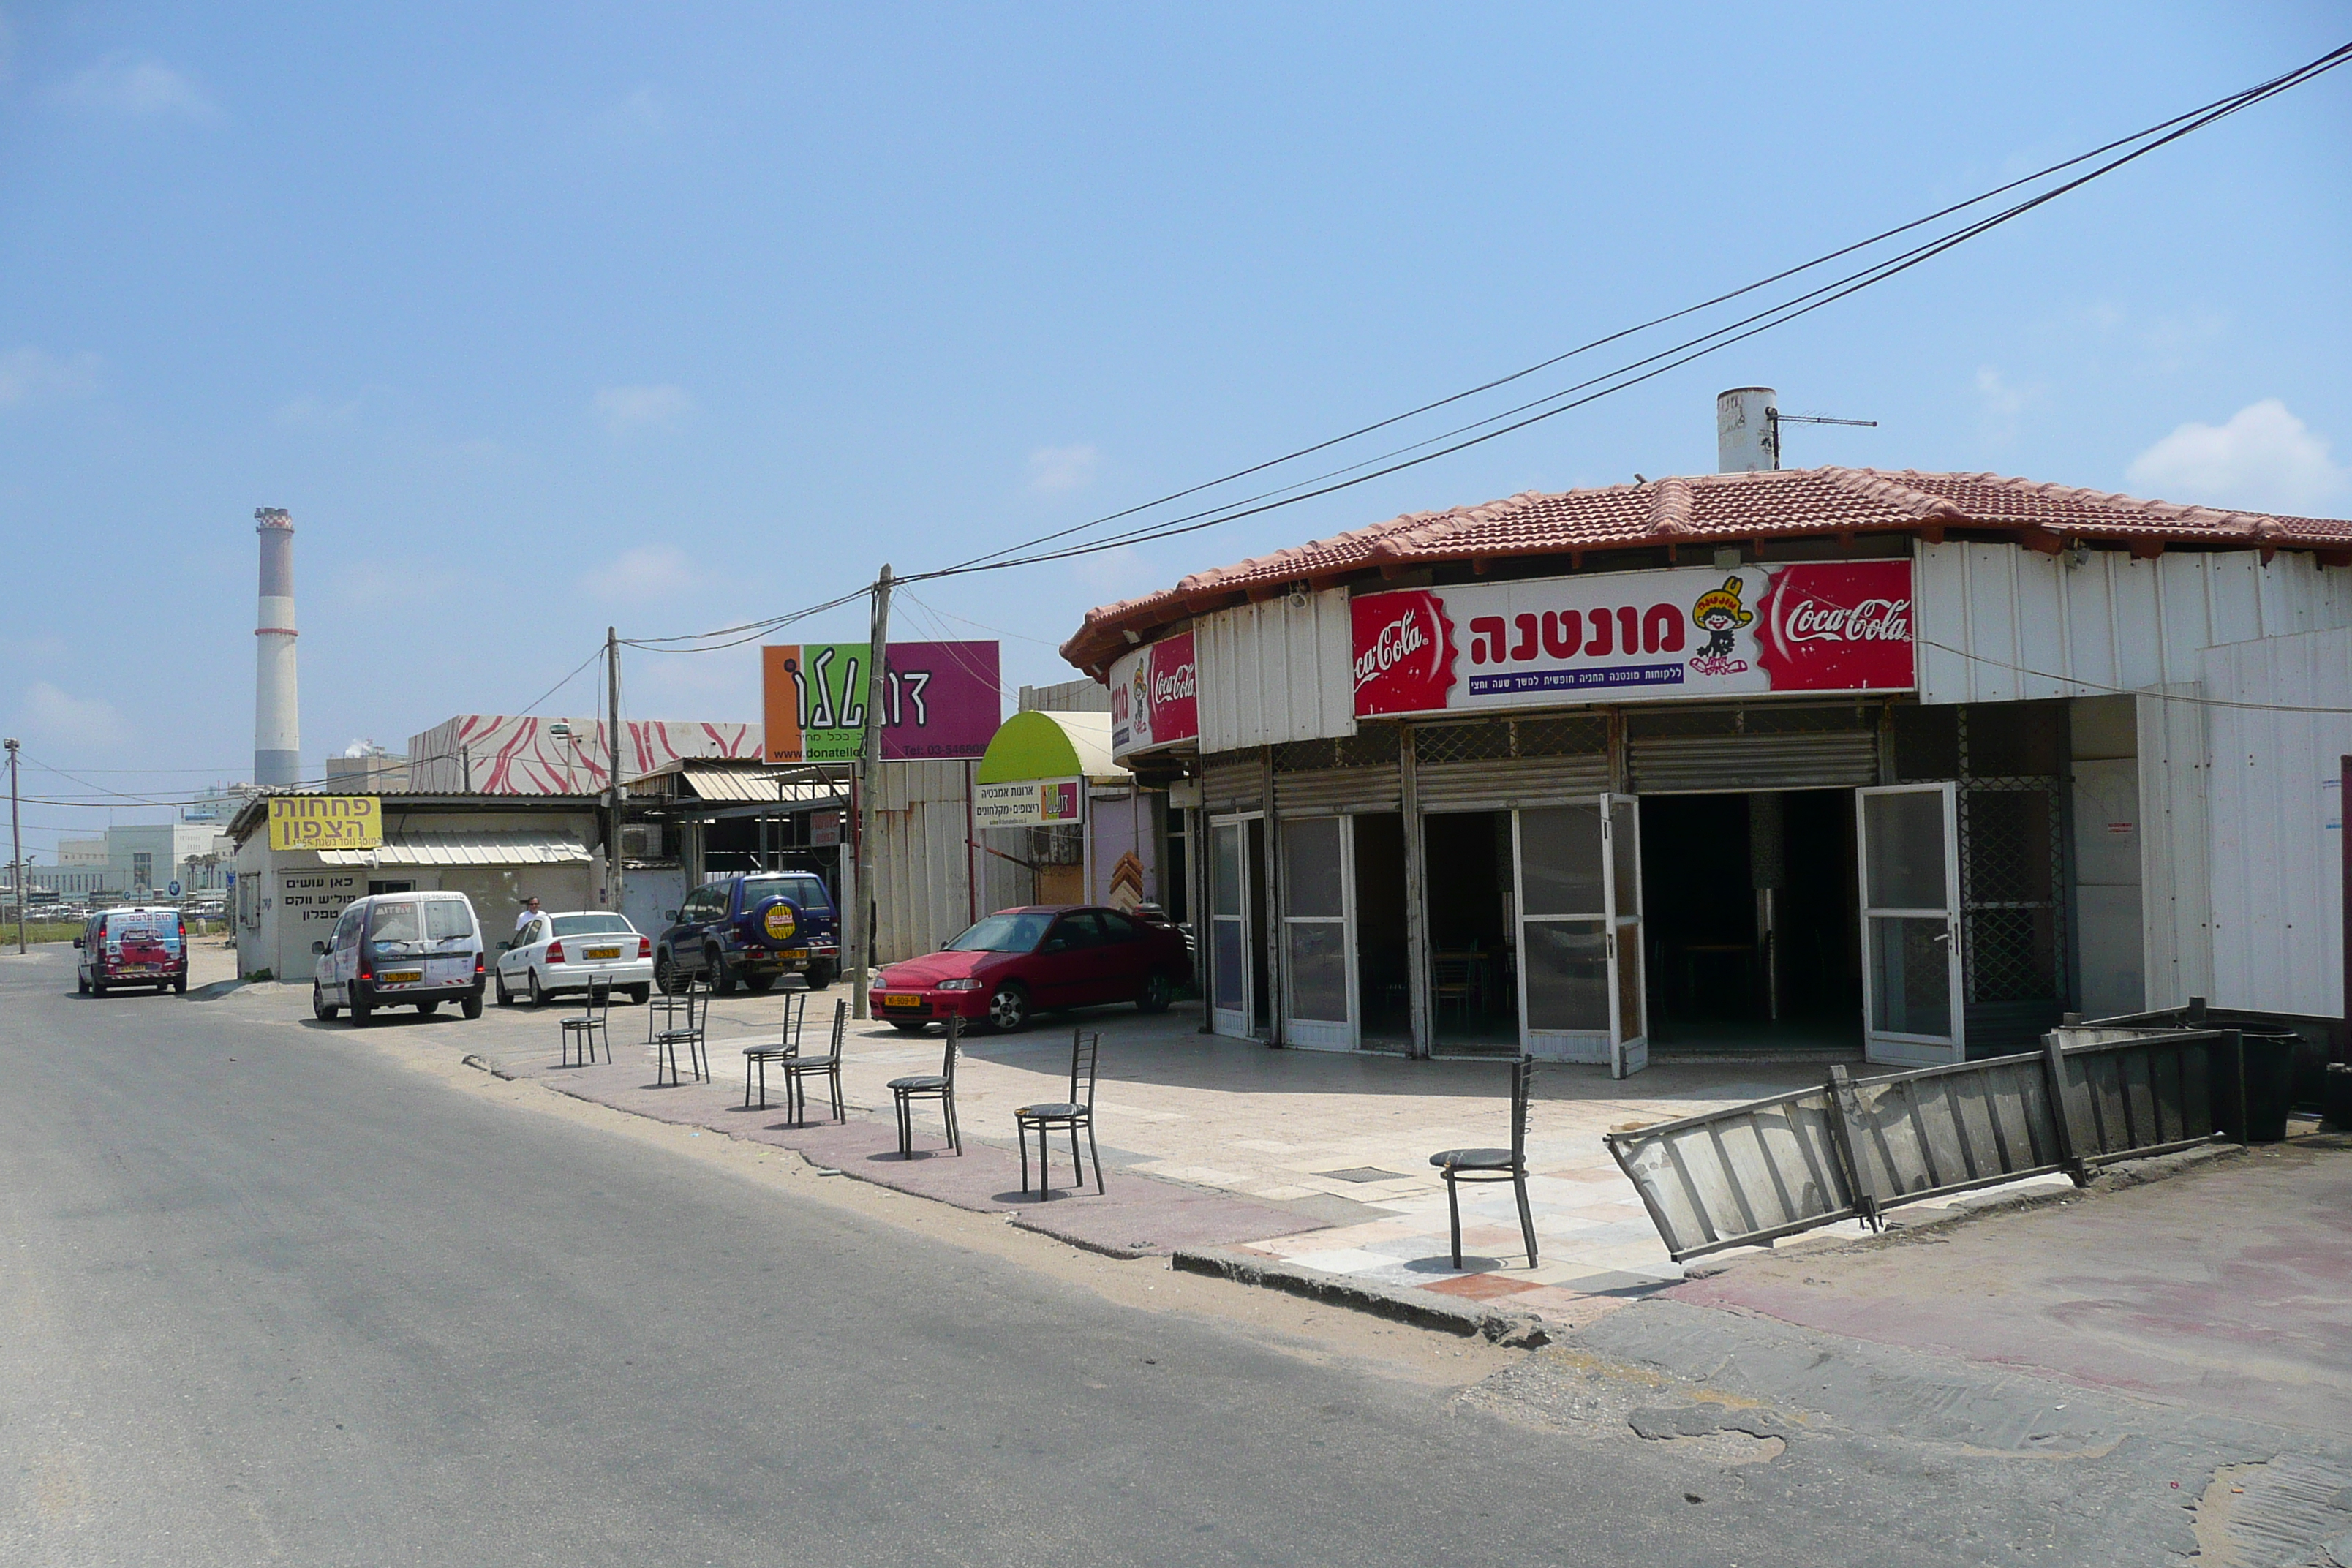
[{"x": 276, "y": 722}]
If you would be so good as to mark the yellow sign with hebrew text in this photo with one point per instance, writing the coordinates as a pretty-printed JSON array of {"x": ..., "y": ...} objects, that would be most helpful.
[{"x": 325, "y": 822}]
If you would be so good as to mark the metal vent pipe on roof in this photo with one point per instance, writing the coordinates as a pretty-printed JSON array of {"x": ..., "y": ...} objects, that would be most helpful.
[{"x": 1746, "y": 439}]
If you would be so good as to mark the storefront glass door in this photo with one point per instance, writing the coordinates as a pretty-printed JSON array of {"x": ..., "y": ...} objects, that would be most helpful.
[
  {"x": 1566, "y": 1000},
  {"x": 1910, "y": 922},
  {"x": 1319, "y": 940},
  {"x": 1229, "y": 935},
  {"x": 1629, "y": 1042}
]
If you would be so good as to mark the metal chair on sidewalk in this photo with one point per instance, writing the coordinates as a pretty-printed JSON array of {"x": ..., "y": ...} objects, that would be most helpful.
[
  {"x": 1076, "y": 1112},
  {"x": 939, "y": 1086},
  {"x": 788, "y": 1044},
  {"x": 1509, "y": 1164},
  {"x": 662, "y": 1007},
  {"x": 583, "y": 1030},
  {"x": 798, "y": 1069},
  {"x": 665, "y": 1043}
]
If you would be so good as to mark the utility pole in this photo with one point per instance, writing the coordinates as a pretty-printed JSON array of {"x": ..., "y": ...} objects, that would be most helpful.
[
  {"x": 613, "y": 761},
  {"x": 869, "y": 774},
  {"x": 16, "y": 841}
]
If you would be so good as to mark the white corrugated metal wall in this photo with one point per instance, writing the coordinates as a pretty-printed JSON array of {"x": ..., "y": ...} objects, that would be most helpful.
[
  {"x": 2175, "y": 889},
  {"x": 2277, "y": 829},
  {"x": 1271, "y": 673},
  {"x": 2111, "y": 623},
  {"x": 922, "y": 864}
]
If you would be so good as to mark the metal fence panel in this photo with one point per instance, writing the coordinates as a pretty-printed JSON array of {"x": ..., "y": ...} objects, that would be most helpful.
[
  {"x": 2130, "y": 1093},
  {"x": 1738, "y": 1177},
  {"x": 1945, "y": 1130}
]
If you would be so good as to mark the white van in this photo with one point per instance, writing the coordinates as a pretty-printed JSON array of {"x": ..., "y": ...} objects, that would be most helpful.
[{"x": 400, "y": 949}]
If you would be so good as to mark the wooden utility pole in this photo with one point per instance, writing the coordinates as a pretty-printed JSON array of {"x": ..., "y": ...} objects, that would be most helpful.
[{"x": 869, "y": 776}]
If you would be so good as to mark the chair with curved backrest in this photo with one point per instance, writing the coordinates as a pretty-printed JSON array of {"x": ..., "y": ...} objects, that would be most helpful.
[
  {"x": 1457, "y": 1165},
  {"x": 798, "y": 1069},
  {"x": 665, "y": 1043},
  {"x": 583, "y": 1030},
  {"x": 1076, "y": 1112},
  {"x": 788, "y": 1045},
  {"x": 939, "y": 1086}
]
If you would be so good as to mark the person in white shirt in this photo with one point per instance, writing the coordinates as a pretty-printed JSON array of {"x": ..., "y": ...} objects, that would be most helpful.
[{"x": 530, "y": 912}]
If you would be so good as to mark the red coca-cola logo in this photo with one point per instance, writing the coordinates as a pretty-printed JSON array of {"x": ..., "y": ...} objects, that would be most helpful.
[
  {"x": 1403, "y": 652},
  {"x": 1842, "y": 627},
  {"x": 1169, "y": 704}
]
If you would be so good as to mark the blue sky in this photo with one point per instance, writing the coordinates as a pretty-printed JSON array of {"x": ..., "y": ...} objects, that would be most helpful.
[{"x": 542, "y": 317}]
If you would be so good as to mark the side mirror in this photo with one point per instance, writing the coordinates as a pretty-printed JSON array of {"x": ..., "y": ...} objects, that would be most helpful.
[
  {"x": 76, "y": 941},
  {"x": 670, "y": 915},
  {"x": 506, "y": 947},
  {"x": 318, "y": 949}
]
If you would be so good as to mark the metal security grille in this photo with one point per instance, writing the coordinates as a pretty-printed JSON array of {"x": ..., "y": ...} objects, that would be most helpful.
[
  {"x": 1372, "y": 747},
  {"x": 1498, "y": 739},
  {"x": 1233, "y": 783},
  {"x": 1763, "y": 747},
  {"x": 2012, "y": 885}
]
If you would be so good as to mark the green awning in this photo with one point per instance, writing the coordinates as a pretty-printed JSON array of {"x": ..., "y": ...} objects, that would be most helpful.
[{"x": 1050, "y": 746}]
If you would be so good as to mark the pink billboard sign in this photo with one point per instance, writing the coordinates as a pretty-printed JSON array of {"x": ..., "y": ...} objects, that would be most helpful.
[{"x": 1637, "y": 636}]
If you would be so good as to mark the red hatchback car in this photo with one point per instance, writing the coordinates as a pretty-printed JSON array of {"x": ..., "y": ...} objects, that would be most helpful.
[{"x": 1019, "y": 963}]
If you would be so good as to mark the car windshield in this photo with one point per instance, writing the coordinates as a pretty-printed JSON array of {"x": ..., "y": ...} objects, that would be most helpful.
[
  {"x": 395, "y": 922},
  {"x": 806, "y": 891},
  {"x": 1015, "y": 932},
  {"x": 593, "y": 925},
  {"x": 445, "y": 918}
]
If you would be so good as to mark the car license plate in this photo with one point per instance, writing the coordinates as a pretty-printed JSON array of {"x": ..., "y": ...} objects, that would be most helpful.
[
  {"x": 401, "y": 976},
  {"x": 902, "y": 1001},
  {"x": 601, "y": 953},
  {"x": 793, "y": 953}
]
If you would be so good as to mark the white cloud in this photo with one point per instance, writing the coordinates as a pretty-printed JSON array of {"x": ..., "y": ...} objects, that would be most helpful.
[
  {"x": 64, "y": 720},
  {"x": 147, "y": 87},
  {"x": 2264, "y": 457},
  {"x": 627, "y": 408},
  {"x": 30, "y": 375},
  {"x": 647, "y": 572},
  {"x": 1056, "y": 470},
  {"x": 2001, "y": 403}
]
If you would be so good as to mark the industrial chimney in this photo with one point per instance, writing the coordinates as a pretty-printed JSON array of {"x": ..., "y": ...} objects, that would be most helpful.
[
  {"x": 276, "y": 719},
  {"x": 1746, "y": 433}
]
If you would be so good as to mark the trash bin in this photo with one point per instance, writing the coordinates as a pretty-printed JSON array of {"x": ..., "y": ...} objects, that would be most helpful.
[
  {"x": 2270, "y": 1088},
  {"x": 2336, "y": 1096}
]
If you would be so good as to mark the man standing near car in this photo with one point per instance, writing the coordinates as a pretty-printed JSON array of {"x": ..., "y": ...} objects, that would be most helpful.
[{"x": 529, "y": 913}]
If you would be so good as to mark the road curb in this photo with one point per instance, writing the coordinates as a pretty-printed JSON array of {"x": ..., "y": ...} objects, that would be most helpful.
[
  {"x": 216, "y": 991},
  {"x": 1523, "y": 1330}
]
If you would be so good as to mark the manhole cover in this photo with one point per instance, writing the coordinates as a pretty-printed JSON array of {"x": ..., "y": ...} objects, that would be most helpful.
[{"x": 1360, "y": 1174}]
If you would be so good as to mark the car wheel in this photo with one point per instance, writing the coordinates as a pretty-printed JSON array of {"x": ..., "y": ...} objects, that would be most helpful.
[
  {"x": 1156, "y": 994},
  {"x": 506, "y": 997},
  {"x": 641, "y": 995},
  {"x": 666, "y": 976},
  {"x": 426, "y": 1009},
  {"x": 758, "y": 983},
  {"x": 98, "y": 987},
  {"x": 180, "y": 986},
  {"x": 819, "y": 973},
  {"x": 321, "y": 1008},
  {"x": 538, "y": 996},
  {"x": 81, "y": 983},
  {"x": 471, "y": 1005},
  {"x": 1008, "y": 1008},
  {"x": 362, "y": 1009},
  {"x": 722, "y": 978}
]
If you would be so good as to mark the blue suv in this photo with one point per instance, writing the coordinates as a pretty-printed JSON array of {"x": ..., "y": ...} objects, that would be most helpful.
[{"x": 750, "y": 930}]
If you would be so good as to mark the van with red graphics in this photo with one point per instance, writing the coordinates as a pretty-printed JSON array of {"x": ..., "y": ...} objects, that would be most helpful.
[{"x": 135, "y": 945}]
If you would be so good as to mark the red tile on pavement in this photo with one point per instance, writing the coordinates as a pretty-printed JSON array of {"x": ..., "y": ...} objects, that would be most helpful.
[{"x": 1481, "y": 1286}]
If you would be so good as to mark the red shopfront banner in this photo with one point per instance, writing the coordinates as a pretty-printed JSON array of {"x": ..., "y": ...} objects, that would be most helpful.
[
  {"x": 1155, "y": 696},
  {"x": 1637, "y": 636}
]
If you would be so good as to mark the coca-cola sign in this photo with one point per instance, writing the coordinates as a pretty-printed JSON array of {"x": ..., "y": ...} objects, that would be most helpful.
[
  {"x": 1155, "y": 696},
  {"x": 1844, "y": 626}
]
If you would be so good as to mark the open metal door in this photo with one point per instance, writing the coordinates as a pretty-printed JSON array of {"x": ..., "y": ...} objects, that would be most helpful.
[
  {"x": 1910, "y": 866},
  {"x": 1231, "y": 1005},
  {"x": 1567, "y": 1006},
  {"x": 1319, "y": 933},
  {"x": 1629, "y": 1032}
]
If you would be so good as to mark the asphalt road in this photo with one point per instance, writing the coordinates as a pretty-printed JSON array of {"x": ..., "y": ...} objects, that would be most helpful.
[{"x": 270, "y": 1296}]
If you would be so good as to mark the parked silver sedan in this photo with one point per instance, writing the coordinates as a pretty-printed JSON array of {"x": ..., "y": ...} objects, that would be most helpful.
[{"x": 557, "y": 952}]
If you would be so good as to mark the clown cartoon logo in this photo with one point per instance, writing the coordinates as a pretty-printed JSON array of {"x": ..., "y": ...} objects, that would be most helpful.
[
  {"x": 1720, "y": 613},
  {"x": 1140, "y": 702}
]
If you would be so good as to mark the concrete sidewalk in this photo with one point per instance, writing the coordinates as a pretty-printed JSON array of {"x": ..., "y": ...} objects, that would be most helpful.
[{"x": 1319, "y": 1158}]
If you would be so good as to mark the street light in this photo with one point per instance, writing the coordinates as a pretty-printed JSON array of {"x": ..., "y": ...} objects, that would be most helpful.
[{"x": 16, "y": 845}]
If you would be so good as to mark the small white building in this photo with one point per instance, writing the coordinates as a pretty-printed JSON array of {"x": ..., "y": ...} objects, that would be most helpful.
[{"x": 497, "y": 850}]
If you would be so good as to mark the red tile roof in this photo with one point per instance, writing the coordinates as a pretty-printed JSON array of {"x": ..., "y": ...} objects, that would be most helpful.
[{"x": 1713, "y": 509}]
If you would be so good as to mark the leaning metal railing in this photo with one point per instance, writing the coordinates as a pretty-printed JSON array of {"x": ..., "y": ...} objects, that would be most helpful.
[{"x": 1858, "y": 1146}]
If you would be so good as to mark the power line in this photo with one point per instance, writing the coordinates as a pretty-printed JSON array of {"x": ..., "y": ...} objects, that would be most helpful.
[{"x": 2155, "y": 136}]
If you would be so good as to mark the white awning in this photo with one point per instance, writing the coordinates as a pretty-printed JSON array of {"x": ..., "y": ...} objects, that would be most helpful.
[{"x": 466, "y": 849}]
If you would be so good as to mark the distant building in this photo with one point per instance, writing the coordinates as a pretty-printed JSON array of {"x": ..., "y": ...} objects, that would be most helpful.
[
  {"x": 215, "y": 802},
  {"x": 494, "y": 754},
  {"x": 367, "y": 769}
]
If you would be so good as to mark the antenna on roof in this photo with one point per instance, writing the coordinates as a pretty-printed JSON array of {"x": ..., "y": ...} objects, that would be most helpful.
[{"x": 1774, "y": 418}]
